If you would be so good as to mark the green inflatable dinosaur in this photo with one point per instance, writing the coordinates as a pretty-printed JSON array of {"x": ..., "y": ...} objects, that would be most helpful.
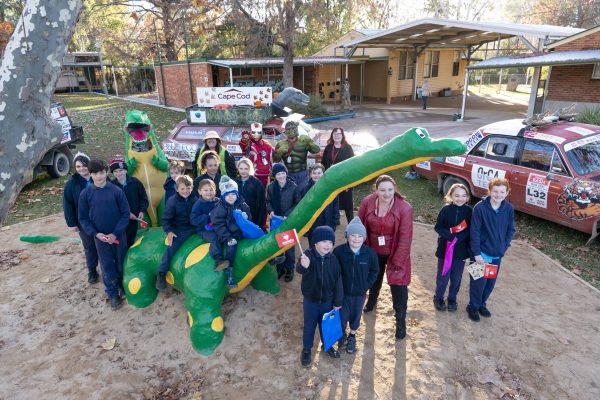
[
  {"x": 145, "y": 160},
  {"x": 192, "y": 268}
]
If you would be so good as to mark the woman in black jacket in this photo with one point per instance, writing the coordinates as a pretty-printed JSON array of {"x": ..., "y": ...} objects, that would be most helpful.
[
  {"x": 251, "y": 190},
  {"x": 79, "y": 181},
  {"x": 338, "y": 150}
]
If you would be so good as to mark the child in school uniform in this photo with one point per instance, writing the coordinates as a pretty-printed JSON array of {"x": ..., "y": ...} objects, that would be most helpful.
[
  {"x": 281, "y": 198},
  {"x": 227, "y": 229},
  {"x": 200, "y": 218},
  {"x": 176, "y": 169},
  {"x": 252, "y": 190},
  {"x": 176, "y": 223},
  {"x": 321, "y": 288},
  {"x": 330, "y": 215},
  {"x": 453, "y": 221},
  {"x": 360, "y": 267},
  {"x": 104, "y": 214},
  {"x": 209, "y": 164},
  {"x": 135, "y": 194},
  {"x": 492, "y": 230}
]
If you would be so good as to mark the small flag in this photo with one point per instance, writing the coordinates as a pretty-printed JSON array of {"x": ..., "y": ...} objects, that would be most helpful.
[
  {"x": 459, "y": 228},
  {"x": 490, "y": 271},
  {"x": 286, "y": 238}
]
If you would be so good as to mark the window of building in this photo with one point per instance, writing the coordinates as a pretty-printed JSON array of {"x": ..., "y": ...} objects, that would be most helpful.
[
  {"x": 241, "y": 71},
  {"x": 456, "y": 63},
  {"x": 596, "y": 72},
  {"x": 432, "y": 64},
  {"x": 272, "y": 71},
  {"x": 405, "y": 66}
]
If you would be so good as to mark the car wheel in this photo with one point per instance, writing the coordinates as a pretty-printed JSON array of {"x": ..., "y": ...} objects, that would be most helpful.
[
  {"x": 451, "y": 180},
  {"x": 61, "y": 165}
]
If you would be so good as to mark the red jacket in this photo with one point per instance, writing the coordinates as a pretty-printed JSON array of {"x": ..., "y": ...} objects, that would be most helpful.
[
  {"x": 260, "y": 153},
  {"x": 400, "y": 216}
]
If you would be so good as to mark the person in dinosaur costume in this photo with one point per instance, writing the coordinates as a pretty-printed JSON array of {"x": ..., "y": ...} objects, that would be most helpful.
[
  {"x": 293, "y": 151},
  {"x": 145, "y": 160},
  {"x": 192, "y": 269}
]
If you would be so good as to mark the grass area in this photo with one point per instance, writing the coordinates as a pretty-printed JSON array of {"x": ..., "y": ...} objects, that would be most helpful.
[
  {"x": 102, "y": 120},
  {"x": 565, "y": 245}
]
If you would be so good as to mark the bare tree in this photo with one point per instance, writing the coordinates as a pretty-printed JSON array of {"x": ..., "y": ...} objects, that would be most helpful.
[{"x": 28, "y": 75}]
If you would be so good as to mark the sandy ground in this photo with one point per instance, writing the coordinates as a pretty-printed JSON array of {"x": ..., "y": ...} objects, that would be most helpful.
[{"x": 542, "y": 341}]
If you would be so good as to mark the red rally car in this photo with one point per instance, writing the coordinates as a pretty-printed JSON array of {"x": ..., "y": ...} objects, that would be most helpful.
[{"x": 553, "y": 169}]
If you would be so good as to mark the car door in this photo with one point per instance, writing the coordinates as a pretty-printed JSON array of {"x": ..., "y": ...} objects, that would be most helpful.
[
  {"x": 493, "y": 158},
  {"x": 538, "y": 180}
]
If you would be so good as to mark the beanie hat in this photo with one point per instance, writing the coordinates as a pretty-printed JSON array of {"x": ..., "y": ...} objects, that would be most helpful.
[
  {"x": 117, "y": 163},
  {"x": 323, "y": 233},
  {"x": 277, "y": 168},
  {"x": 227, "y": 185},
  {"x": 82, "y": 158},
  {"x": 355, "y": 227}
]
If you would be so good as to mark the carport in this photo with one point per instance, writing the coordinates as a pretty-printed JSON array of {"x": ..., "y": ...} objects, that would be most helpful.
[{"x": 468, "y": 36}]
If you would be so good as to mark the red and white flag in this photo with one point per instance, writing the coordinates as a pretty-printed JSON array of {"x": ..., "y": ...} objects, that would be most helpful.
[
  {"x": 459, "y": 228},
  {"x": 286, "y": 238},
  {"x": 490, "y": 271}
]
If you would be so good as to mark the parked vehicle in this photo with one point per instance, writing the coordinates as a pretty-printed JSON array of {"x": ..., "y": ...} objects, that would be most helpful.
[
  {"x": 58, "y": 160},
  {"x": 553, "y": 169}
]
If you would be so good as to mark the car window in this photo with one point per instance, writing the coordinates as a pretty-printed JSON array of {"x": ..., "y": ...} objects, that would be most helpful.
[
  {"x": 479, "y": 151},
  {"x": 584, "y": 155},
  {"x": 502, "y": 149},
  {"x": 537, "y": 155},
  {"x": 235, "y": 134},
  {"x": 558, "y": 166}
]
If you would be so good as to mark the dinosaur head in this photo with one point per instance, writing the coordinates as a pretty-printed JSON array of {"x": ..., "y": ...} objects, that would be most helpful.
[
  {"x": 292, "y": 98},
  {"x": 138, "y": 126}
]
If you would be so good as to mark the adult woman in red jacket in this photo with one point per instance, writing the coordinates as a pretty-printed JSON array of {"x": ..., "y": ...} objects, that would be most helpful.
[{"x": 388, "y": 219}]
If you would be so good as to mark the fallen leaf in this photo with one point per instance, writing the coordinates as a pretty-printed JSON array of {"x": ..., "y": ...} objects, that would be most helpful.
[
  {"x": 576, "y": 271},
  {"x": 4, "y": 228},
  {"x": 109, "y": 344},
  {"x": 49, "y": 279}
]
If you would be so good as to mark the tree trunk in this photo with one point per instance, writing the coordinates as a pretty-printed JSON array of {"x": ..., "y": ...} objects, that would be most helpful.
[
  {"x": 28, "y": 74},
  {"x": 289, "y": 25}
]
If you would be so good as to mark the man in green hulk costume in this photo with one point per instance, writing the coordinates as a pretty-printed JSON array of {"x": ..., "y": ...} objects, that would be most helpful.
[
  {"x": 294, "y": 152},
  {"x": 145, "y": 160}
]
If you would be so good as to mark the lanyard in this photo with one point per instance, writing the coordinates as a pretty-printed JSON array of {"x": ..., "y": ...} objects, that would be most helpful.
[
  {"x": 334, "y": 154},
  {"x": 380, "y": 219}
]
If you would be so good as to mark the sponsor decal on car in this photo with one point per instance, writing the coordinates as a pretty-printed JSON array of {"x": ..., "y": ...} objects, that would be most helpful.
[
  {"x": 580, "y": 200},
  {"x": 536, "y": 192},
  {"x": 581, "y": 142},
  {"x": 425, "y": 165},
  {"x": 180, "y": 151},
  {"x": 473, "y": 140},
  {"x": 234, "y": 148},
  {"x": 482, "y": 175},
  {"x": 544, "y": 136},
  {"x": 197, "y": 117},
  {"x": 580, "y": 130},
  {"x": 458, "y": 161}
]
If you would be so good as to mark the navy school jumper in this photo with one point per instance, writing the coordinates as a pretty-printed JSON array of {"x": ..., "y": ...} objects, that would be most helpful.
[
  {"x": 176, "y": 219},
  {"x": 138, "y": 202}
]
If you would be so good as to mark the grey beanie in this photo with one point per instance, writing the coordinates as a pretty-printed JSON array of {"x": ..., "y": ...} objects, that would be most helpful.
[{"x": 355, "y": 227}]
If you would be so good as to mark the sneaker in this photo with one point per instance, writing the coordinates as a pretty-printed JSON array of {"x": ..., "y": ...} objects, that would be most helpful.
[
  {"x": 351, "y": 346},
  {"x": 161, "y": 281},
  {"x": 305, "y": 358},
  {"x": 230, "y": 283},
  {"x": 221, "y": 265},
  {"x": 452, "y": 305},
  {"x": 333, "y": 353},
  {"x": 439, "y": 304},
  {"x": 473, "y": 314},
  {"x": 484, "y": 312},
  {"x": 289, "y": 275},
  {"x": 280, "y": 271},
  {"x": 115, "y": 303},
  {"x": 92, "y": 277}
]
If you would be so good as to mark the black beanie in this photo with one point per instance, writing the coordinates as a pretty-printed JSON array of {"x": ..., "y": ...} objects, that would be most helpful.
[
  {"x": 323, "y": 233},
  {"x": 277, "y": 168}
]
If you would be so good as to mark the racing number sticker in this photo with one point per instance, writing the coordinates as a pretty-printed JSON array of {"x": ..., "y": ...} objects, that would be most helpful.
[
  {"x": 536, "y": 192},
  {"x": 482, "y": 175}
]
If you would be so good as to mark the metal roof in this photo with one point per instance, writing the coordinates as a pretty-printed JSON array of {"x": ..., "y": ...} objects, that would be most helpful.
[
  {"x": 573, "y": 37},
  {"x": 571, "y": 57},
  {"x": 445, "y": 32},
  {"x": 278, "y": 62}
]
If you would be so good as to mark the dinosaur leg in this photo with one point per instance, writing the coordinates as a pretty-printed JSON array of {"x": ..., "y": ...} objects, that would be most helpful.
[{"x": 266, "y": 280}]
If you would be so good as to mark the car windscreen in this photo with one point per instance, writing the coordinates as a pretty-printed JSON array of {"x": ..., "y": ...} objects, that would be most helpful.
[{"x": 584, "y": 154}]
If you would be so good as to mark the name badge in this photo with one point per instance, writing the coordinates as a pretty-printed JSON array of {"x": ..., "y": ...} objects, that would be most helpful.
[
  {"x": 289, "y": 159},
  {"x": 264, "y": 161},
  {"x": 381, "y": 240}
]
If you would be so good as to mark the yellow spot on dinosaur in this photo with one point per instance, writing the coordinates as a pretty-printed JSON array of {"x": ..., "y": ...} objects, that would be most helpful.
[
  {"x": 137, "y": 242},
  {"x": 170, "y": 278},
  {"x": 196, "y": 255},
  {"x": 190, "y": 319},
  {"x": 166, "y": 243},
  {"x": 217, "y": 324},
  {"x": 134, "y": 285}
]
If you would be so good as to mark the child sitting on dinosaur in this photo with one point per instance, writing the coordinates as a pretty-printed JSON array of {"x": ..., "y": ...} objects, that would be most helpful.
[{"x": 176, "y": 169}]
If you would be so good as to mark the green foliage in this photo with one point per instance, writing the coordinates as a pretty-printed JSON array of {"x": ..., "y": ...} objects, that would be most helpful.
[
  {"x": 589, "y": 116},
  {"x": 314, "y": 108}
]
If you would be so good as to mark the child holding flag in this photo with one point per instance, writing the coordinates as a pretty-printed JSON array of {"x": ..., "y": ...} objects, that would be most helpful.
[
  {"x": 321, "y": 287},
  {"x": 492, "y": 230},
  {"x": 452, "y": 225}
]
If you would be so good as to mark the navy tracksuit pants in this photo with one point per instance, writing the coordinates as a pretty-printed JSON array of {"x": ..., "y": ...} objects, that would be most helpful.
[
  {"x": 215, "y": 250},
  {"x": 131, "y": 232},
  {"x": 313, "y": 315},
  {"x": 89, "y": 248},
  {"x": 480, "y": 289},
  {"x": 111, "y": 258},
  {"x": 454, "y": 276},
  {"x": 351, "y": 311},
  {"x": 171, "y": 250}
]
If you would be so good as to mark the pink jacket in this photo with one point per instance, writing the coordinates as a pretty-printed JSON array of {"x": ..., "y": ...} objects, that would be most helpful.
[{"x": 398, "y": 269}]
